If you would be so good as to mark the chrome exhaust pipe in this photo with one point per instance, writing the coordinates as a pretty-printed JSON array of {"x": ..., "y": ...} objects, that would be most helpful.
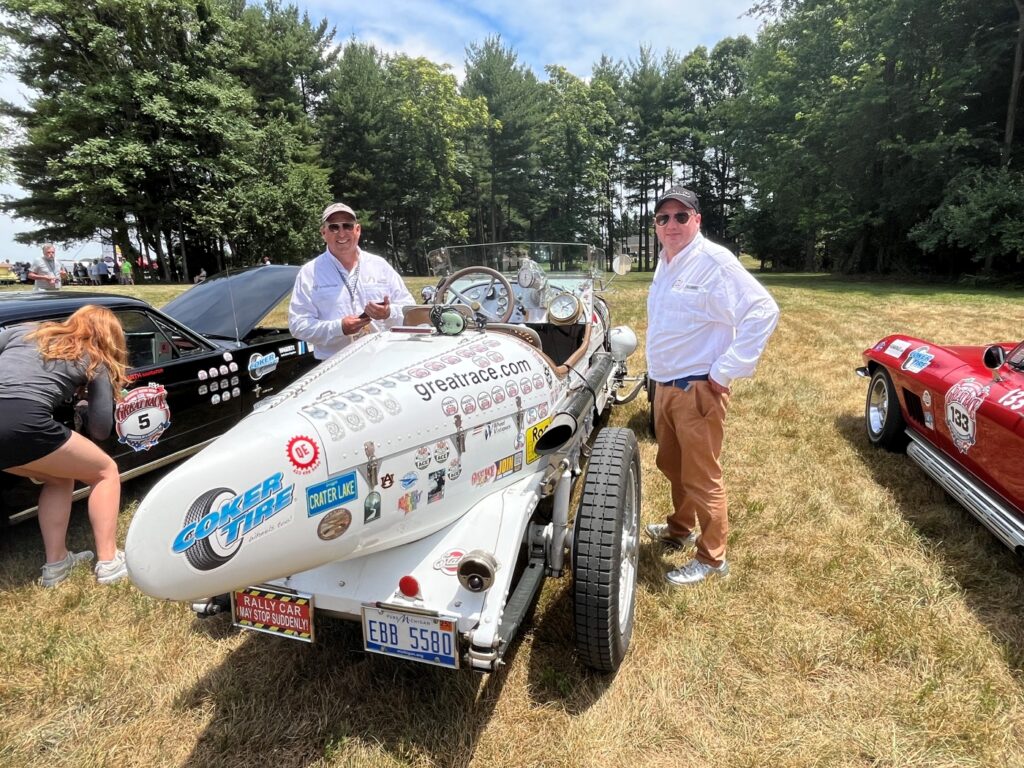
[{"x": 566, "y": 423}]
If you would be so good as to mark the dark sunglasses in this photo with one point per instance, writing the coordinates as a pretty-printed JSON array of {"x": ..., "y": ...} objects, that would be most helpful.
[
  {"x": 337, "y": 226},
  {"x": 681, "y": 217}
]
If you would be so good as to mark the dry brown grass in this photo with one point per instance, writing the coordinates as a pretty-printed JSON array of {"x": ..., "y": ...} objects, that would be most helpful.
[{"x": 869, "y": 620}]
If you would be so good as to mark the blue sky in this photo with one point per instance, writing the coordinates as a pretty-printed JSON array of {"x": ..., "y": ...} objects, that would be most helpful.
[{"x": 571, "y": 34}]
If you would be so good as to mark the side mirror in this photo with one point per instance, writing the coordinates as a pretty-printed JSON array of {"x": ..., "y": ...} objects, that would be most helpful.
[
  {"x": 621, "y": 264},
  {"x": 994, "y": 357}
]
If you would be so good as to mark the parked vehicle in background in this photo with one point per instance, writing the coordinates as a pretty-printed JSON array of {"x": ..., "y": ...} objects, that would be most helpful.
[
  {"x": 959, "y": 413},
  {"x": 199, "y": 365}
]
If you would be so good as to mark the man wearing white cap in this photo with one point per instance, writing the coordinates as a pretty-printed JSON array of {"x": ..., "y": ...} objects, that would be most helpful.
[
  {"x": 344, "y": 292},
  {"x": 708, "y": 323}
]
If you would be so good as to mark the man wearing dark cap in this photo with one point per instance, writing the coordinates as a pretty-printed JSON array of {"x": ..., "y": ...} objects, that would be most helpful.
[
  {"x": 344, "y": 292},
  {"x": 708, "y": 323}
]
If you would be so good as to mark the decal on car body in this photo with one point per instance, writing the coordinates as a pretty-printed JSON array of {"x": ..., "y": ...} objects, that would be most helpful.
[
  {"x": 917, "y": 360},
  {"x": 142, "y": 417},
  {"x": 962, "y": 403}
]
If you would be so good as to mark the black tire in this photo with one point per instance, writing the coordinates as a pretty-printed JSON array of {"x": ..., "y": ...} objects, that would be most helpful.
[
  {"x": 204, "y": 555},
  {"x": 604, "y": 551},
  {"x": 883, "y": 419},
  {"x": 652, "y": 389}
]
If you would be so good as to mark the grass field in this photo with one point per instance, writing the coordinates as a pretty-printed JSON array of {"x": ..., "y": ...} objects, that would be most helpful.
[{"x": 868, "y": 621}]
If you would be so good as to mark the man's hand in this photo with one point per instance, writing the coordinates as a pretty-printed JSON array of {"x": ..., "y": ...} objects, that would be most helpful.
[
  {"x": 379, "y": 310},
  {"x": 717, "y": 388},
  {"x": 351, "y": 324}
]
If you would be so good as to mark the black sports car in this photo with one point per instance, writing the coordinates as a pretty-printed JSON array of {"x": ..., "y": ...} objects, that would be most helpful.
[{"x": 198, "y": 366}]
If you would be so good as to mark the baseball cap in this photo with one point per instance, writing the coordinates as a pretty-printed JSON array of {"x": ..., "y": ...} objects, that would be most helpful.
[
  {"x": 683, "y": 195},
  {"x": 336, "y": 208}
]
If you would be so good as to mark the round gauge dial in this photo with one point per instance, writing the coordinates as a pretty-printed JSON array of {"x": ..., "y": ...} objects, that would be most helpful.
[
  {"x": 564, "y": 309},
  {"x": 526, "y": 276}
]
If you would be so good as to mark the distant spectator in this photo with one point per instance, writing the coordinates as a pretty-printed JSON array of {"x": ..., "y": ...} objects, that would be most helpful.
[
  {"x": 201, "y": 276},
  {"x": 127, "y": 277},
  {"x": 102, "y": 272},
  {"x": 44, "y": 270},
  {"x": 266, "y": 260}
]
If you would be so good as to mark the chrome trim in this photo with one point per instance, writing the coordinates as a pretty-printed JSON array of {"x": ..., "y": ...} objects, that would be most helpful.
[
  {"x": 863, "y": 372},
  {"x": 974, "y": 496},
  {"x": 131, "y": 474}
]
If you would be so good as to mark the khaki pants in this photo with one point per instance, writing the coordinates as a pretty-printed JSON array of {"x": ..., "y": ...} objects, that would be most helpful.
[{"x": 690, "y": 424}]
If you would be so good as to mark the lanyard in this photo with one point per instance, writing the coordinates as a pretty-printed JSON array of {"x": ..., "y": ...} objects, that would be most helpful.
[{"x": 351, "y": 282}]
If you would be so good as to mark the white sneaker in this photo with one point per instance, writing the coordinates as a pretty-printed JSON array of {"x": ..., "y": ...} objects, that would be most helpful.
[
  {"x": 109, "y": 571},
  {"x": 695, "y": 572},
  {"x": 659, "y": 532},
  {"x": 55, "y": 573}
]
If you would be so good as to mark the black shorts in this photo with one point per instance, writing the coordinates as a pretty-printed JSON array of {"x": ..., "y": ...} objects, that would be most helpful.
[{"x": 28, "y": 432}]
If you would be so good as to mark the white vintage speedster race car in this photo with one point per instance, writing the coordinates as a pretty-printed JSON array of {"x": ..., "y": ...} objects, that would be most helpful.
[{"x": 419, "y": 481}]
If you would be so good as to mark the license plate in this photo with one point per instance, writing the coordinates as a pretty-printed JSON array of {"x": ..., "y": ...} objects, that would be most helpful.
[
  {"x": 430, "y": 639},
  {"x": 288, "y": 614}
]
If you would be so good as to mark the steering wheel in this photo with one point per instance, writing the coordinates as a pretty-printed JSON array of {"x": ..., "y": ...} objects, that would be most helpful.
[{"x": 492, "y": 276}]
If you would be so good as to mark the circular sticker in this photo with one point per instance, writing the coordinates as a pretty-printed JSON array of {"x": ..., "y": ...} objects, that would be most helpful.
[
  {"x": 303, "y": 453},
  {"x": 142, "y": 417},
  {"x": 335, "y": 523},
  {"x": 422, "y": 460},
  {"x": 449, "y": 562},
  {"x": 441, "y": 452}
]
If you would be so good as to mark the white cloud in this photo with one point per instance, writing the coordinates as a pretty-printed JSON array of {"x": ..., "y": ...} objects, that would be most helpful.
[{"x": 573, "y": 35}]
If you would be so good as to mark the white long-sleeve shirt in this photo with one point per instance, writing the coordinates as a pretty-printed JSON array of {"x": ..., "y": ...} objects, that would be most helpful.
[
  {"x": 321, "y": 299},
  {"x": 706, "y": 315}
]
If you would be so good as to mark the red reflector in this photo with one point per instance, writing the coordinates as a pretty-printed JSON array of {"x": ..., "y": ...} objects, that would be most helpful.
[{"x": 408, "y": 586}]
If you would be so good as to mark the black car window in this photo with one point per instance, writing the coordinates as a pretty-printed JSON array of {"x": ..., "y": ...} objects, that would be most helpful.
[
  {"x": 147, "y": 343},
  {"x": 183, "y": 343}
]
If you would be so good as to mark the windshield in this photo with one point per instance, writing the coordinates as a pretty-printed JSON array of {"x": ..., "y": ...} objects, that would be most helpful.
[
  {"x": 507, "y": 258},
  {"x": 1016, "y": 357}
]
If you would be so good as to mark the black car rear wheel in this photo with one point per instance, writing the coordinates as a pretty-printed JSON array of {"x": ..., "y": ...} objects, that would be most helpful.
[{"x": 883, "y": 420}]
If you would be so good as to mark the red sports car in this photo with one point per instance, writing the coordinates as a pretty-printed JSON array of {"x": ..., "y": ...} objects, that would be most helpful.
[{"x": 959, "y": 413}]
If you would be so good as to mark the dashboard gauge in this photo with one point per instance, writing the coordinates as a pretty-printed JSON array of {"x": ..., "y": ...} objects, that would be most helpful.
[
  {"x": 474, "y": 294},
  {"x": 526, "y": 276},
  {"x": 564, "y": 309}
]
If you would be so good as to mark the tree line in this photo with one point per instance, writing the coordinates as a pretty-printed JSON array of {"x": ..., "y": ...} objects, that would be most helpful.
[{"x": 852, "y": 135}]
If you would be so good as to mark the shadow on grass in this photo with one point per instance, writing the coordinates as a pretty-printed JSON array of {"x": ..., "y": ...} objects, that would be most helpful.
[
  {"x": 279, "y": 702},
  {"x": 556, "y": 677},
  {"x": 992, "y": 577}
]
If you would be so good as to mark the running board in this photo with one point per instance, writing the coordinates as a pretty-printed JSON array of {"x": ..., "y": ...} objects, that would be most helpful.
[{"x": 977, "y": 499}]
